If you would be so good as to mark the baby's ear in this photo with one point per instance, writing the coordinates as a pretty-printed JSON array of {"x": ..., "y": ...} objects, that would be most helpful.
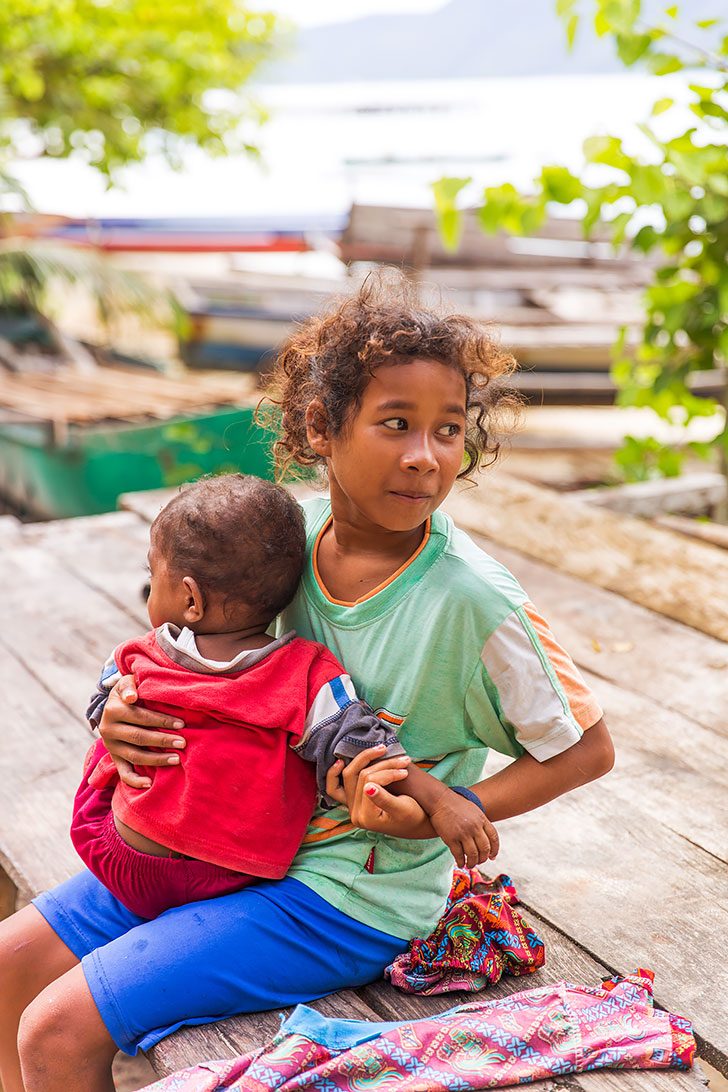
[
  {"x": 317, "y": 428},
  {"x": 194, "y": 600}
]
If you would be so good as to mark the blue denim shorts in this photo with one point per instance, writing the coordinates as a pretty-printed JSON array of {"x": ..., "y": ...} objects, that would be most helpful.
[{"x": 270, "y": 945}]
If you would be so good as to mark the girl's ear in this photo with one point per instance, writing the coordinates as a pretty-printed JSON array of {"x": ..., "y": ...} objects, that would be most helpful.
[
  {"x": 194, "y": 600},
  {"x": 317, "y": 428}
]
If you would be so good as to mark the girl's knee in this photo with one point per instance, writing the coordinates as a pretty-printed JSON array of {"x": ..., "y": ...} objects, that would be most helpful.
[
  {"x": 40, "y": 1037},
  {"x": 61, "y": 1036}
]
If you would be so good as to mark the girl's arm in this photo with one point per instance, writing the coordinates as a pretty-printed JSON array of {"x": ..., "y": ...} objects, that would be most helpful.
[
  {"x": 524, "y": 785},
  {"x": 124, "y": 730},
  {"x": 527, "y": 784}
]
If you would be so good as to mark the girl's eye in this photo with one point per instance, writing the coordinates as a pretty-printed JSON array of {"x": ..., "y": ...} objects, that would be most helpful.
[
  {"x": 450, "y": 430},
  {"x": 397, "y": 424}
]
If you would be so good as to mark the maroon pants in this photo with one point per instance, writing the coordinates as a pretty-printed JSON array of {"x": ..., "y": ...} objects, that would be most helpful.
[{"x": 144, "y": 883}]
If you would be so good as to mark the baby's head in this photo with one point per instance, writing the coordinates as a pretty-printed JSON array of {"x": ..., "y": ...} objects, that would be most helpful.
[{"x": 226, "y": 553}]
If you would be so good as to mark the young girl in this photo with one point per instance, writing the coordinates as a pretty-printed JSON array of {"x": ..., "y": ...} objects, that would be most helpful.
[{"x": 396, "y": 403}]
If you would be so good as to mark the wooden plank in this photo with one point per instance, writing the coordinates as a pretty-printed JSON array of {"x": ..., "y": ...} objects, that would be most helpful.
[
  {"x": 715, "y": 533},
  {"x": 628, "y": 644},
  {"x": 632, "y": 893},
  {"x": 10, "y": 530},
  {"x": 107, "y": 552},
  {"x": 146, "y": 504},
  {"x": 649, "y": 565},
  {"x": 661, "y": 770},
  {"x": 8, "y": 895},
  {"x": 117, "y": 394},
  {"x": 40, "y": 766},
  {"x": 688, "y": 493},
  {"x": 62, "y": 629}
]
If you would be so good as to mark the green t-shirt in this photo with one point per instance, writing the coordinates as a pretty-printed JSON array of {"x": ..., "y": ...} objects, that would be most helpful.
[{"x": 447, "y": 651}]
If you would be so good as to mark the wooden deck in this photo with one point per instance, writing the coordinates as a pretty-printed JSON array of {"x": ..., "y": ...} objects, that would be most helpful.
[{"x": 629, "y": 871}]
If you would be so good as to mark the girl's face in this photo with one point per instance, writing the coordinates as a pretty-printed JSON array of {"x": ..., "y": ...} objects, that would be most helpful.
[{"x": 397, "y": 459}]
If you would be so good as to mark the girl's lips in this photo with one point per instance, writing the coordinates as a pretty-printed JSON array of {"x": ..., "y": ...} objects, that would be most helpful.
[{"x": 411, "y": 498}]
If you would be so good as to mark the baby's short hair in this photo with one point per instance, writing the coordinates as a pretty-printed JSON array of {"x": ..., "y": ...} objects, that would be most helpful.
[{"x": 240, "y": 537}]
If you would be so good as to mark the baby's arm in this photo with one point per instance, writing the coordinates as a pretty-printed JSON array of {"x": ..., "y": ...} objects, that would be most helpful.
[
  {"x": 109, "y": 677},
  {"x": 341, "y": 726}
]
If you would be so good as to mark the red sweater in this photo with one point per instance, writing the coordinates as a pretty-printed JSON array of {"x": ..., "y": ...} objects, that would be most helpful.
[{"x": 240, "y": 798}]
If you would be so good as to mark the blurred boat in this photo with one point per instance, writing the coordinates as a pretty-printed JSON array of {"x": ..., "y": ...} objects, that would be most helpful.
[{"x": 70, "y": 443}]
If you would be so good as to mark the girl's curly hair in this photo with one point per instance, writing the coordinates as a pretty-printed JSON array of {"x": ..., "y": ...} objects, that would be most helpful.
[{"x": 331, "y": 356}]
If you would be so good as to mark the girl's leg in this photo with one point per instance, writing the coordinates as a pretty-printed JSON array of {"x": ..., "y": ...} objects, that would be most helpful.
[
  {"x": 63, "y": 1043},
  {"x": 41, "y": 981},
  {"x": 32, "y": 956},
  {"x": 270, "y": 945}
]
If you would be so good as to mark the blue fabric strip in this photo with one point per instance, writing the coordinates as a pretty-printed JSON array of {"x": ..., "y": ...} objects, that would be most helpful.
[
  {"x": 331, "y": 1032},
  {"x": 340, "y": 695}
]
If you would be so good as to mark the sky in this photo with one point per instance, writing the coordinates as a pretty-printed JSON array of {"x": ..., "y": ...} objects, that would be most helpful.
[{"x": 309, "y": 12}]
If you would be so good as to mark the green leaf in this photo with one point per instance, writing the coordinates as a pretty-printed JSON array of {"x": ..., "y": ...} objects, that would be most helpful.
[
  {"x": 449, "y": 217},
  {"x": 560, "y": 185},
  {"x": 706, "y": 24},
  {"x": 572, "y": 26},
  {"x": 671, "y": 12},
  {"x": 631, "y": 47},
  {"x": 446, "y": 191},
  {"x": 662, "y": 64},
  {"x": 607, "y": 150},
  {"x": 661, "y": 106}
]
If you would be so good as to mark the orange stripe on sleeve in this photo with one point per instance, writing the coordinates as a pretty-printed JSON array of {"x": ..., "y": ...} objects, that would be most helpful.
[{"x": 584, "y": 706}]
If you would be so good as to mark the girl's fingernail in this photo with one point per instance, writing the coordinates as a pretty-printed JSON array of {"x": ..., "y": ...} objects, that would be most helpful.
[
  {"x": 178, "y": 724},
  {"x": 173, "y": 760},
  {"x": 370, "y": 790},
  {"x": 178, "y": 743}
]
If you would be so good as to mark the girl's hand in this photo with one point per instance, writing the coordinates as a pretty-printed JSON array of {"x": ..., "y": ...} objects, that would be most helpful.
[
  {"x": 466, "y": 831},
  {"x": 129, "y": 732},
  {"x": 361, "y": 788}
]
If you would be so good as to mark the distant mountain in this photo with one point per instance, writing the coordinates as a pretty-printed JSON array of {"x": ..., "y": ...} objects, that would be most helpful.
[{"x": 464, "y": 39}]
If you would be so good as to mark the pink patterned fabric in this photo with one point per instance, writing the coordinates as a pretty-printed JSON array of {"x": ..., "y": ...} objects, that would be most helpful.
[
  {"x": 479, "y": 938},
  {"x": 537, "y": 1033}
]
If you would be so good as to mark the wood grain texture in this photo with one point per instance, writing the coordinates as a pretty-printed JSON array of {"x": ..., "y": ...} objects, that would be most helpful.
[
  {"x": 633, "y": 893},
  {"x": 682, "y": 579}
]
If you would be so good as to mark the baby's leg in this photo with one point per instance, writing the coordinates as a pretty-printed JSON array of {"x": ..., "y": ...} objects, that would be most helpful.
[{"x": 32, "y": 956}]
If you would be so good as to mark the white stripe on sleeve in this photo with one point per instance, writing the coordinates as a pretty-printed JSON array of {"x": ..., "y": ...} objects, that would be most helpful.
[
  {"x": 328, "y": 703},
  {"x": 530, "y": 696}
]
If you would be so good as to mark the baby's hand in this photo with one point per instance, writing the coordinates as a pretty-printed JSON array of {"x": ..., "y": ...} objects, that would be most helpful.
[{"x": 465, "y": 829}]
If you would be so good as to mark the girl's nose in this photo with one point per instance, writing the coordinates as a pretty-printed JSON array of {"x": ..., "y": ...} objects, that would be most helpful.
[{"x": 420, "y": 454}]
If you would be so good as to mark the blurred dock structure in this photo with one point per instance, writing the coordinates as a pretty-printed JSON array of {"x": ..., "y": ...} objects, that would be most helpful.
[{"x": 558, "y": 299}]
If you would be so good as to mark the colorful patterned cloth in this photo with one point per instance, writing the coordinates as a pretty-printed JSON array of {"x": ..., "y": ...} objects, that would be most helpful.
[
  {"x": 538, "y": 1033},
  {"x": 479, "y": 938}
]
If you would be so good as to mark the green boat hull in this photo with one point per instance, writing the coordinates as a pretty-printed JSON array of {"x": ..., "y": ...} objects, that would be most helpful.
[{"x": 44, "y": 477}]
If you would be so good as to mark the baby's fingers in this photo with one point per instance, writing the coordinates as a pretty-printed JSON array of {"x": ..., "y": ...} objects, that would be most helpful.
[
  {"x": 492, "y": 835},
  {"x": 334, "y": 788}
]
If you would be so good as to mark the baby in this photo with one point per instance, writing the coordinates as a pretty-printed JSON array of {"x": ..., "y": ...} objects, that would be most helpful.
[{"x": 264, "y": 718}]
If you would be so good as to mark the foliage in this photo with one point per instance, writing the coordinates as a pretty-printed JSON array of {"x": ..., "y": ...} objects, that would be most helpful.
[
  {"x": 107, "y": 80},
  {"x": 670, "y": 202},
  {"x": 30, "y": 271}
]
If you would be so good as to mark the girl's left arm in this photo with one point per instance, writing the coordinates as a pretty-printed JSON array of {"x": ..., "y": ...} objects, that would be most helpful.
[
  {"x": 524, "y": 785},
  {"x": 527, "y": 784}
]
